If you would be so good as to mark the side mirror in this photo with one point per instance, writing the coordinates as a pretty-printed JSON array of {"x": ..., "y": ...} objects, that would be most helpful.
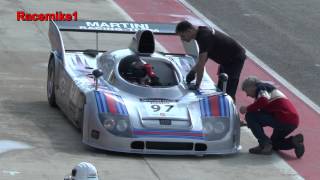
[
  {"x": 97, "y": 73},
  {"x": 222, "y": 82}
]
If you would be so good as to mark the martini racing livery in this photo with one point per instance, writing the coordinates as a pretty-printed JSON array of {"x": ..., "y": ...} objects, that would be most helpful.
[{"x": 154, "y": 113}]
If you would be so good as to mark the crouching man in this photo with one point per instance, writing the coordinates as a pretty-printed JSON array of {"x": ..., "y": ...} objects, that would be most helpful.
[{"x": 271, "y": 108}]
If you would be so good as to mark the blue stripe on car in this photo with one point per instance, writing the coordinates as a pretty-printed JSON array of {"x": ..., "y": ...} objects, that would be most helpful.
[
  {"x": 98, "y": 101},
  {"x": 201, "y": 108},
  {"x": 118, "y": 104},
  {"x": 122, "y": 106},
  {"x": 227, "y": 102},
  {"x": 104, "y": 102},
  {"x": 207, "y": 106},
  {"x": 221, "y": 104}
]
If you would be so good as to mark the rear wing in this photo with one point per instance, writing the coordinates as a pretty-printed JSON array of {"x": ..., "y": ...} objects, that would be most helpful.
[
  {"x": 97, "y": 26},
  {"x": 115, "y": 27}
]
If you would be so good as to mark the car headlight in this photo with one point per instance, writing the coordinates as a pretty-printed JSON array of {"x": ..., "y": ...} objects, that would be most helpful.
[
  {"x": 208, "y": 127},
  {"x": 122, "y": 125},
  {"x": 219, "y": 127},
  {"x": 215, "y": 127},
  {"x": 116, "y": 124},
  {"x": 109, "y": 124}
]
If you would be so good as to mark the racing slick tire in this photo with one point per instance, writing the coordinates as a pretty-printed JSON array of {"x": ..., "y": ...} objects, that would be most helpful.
[{"x": 51, "y": 84}]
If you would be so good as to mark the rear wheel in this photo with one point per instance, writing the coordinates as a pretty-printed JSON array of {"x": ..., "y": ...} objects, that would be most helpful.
[{"x": 51, "y": 84}]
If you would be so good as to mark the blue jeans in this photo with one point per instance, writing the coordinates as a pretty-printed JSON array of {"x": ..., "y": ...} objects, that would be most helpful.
[{"x": 257, "y": 120}]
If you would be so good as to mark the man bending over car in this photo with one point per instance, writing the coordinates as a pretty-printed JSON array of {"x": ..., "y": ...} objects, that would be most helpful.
[{"x": 222, "y": 49}]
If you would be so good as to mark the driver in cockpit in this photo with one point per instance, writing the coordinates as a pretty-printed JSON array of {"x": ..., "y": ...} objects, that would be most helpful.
[{"x": 139, "y": 72}]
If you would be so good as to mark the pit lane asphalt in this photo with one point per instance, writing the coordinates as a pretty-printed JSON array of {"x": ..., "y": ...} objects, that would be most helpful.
[
  {"x": 53, "y": 146},
  {"x": 283, "y": 34}
]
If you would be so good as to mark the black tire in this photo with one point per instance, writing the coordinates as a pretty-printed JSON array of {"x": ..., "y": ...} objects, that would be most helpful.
[{"x": 51, "y": 84}]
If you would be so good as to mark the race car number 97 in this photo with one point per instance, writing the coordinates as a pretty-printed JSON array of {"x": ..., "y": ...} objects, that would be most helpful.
[{"x": 165, "y": 108}]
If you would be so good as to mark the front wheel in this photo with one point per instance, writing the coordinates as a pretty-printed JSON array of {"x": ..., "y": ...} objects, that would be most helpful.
[{"x": 51, "y": 84}]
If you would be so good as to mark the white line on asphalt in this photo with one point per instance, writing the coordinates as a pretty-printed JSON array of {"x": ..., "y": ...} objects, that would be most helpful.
[
  {"x": 12, "y": 173},
  {"x": 288, "y": 85},
  {"x": 8, "y": 145}
]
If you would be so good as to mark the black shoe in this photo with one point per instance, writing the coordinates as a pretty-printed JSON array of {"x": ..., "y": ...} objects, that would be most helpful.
[
  {"x": 297, "y": 142},
  {"x": 299, "y": 138},
  {"x": 265, "y": 149}
]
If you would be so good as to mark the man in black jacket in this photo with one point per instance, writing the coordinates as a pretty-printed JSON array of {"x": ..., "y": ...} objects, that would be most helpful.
[{"x": 217, "y": 46}]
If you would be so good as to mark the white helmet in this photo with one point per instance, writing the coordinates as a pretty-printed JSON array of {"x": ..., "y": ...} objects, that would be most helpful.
[{"x": 83, "y": 171}]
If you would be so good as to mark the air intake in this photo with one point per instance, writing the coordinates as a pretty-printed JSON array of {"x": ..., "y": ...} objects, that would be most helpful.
[{"x": 169, "y": 146}]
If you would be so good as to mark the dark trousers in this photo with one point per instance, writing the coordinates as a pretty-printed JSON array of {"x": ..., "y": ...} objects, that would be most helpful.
[
  {"x": 257, "y": 120},
  {"x": 233, "y": 70}
]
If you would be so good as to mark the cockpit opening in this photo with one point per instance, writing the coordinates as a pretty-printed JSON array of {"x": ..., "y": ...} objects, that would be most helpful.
[{"x": 147, "y": 71}]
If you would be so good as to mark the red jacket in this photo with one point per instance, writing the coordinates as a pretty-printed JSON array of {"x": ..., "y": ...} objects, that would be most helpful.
[{"x": 273, "y": 101}]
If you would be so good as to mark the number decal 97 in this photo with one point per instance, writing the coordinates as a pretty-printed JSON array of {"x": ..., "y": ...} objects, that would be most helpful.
[{"x": 157, "y": 108}]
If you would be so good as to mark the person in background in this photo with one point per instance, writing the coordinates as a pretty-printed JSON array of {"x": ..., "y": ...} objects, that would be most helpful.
[{"x": 271, "y": 108}]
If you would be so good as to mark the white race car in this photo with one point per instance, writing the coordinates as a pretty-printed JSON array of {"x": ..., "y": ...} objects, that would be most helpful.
[{"x": 136, "y": 100}]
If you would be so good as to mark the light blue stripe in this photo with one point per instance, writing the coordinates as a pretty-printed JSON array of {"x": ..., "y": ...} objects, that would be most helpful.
[
  {"x": 226, "y": 103},
  {"x": 207, "y": 105},
  {"x": 123, "y": 106},
  {"x": 204, "y": 107},
  {"x": 222, "y": 108},
  {"x": 98, "y": 101},
  {"x": 118, "y": 104},
  {"x": 201, "y": 108},
  {"x": 101, "y": 100},
  {"x": 104, "y": 102}
]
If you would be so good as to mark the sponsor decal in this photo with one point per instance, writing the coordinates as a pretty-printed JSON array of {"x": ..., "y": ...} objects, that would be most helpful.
[
  {"x": 57, "y": 16},
  {"x": 117, "y": 26},
  {"x": 157, "y": 100}
]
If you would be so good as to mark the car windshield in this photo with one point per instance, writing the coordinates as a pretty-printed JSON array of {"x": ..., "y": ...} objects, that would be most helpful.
[{"x": 148, "y": 71}]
